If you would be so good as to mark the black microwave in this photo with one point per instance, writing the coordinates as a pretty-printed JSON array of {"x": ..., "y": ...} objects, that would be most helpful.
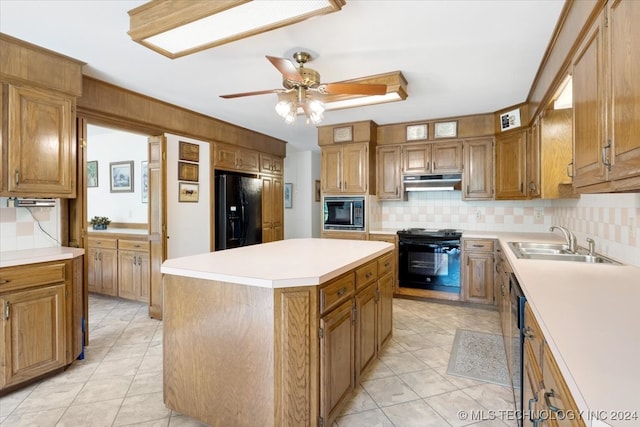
[{"x": 344, "y": 213}]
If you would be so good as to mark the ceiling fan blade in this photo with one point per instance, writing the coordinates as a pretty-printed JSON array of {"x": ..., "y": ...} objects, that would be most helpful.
[
  {"x": 286, "y": 67},
  {"x": 352, "y": 89},
  {"x": 258, "y": 92}
]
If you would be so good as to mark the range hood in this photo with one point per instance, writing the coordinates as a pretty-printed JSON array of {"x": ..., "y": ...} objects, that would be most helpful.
[{"x": 444, "y": 182}]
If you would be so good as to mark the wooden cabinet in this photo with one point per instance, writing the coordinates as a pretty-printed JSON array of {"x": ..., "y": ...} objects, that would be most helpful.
[
  {"x": 37, "y": 111},
  {"x": 546, "y": 398},
  {"x": 272, "y": 209},
  {"x": 39, "y": 328},
  {"x": 510, "y": 165},
  {"x": 389, "y": 175},
  {"x": 432, "y": 158},
  {"x": 40, "y": 144},
  {"x": 133, "y": 270},
  {"x": 271, "y": 164},
  {"x": 345, "y": 168},
  {"x": 478, "y": 268},
  {"x": 606, "y": 99},
  {"x": 386, "y": 287},
  {"x": 366, "y": 322},
  {"x": 103, "y": 266},
  {"x": 233, "y": 158},
  {"x": 477, "y": 178}
]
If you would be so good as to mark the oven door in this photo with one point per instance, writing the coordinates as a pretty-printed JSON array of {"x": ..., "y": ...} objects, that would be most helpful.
[{"x": 433, "y": 266}]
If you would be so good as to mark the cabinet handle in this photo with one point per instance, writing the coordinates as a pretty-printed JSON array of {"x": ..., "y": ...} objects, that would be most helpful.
[
  {"x": 533, "y": 400},
  {"x": 521, "y": 187},
  {"x": 368, "y": 275},
  {"x": 570, "y": 169},
  {"x": 532, "y": 186},
  {"x": 100, "y": 256},
  {"x": 355, "y": 313},
  {"x": 377, "y": 294},
  {"x": 342, "y": 291},
  {"x": 477, "y": 246},
  {"x": 528, "y": 333},
  {"x": 7, "y": 310},
  {"x": 17, "y": 176},
  {"x": 605, "y": 161},
  {"x": 551, "y": 407}
]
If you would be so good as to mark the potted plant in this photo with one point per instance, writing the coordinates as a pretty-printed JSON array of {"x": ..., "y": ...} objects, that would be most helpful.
[{"x": 99, "y": 222}]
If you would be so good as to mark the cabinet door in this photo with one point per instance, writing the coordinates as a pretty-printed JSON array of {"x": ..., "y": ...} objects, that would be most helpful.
[
  {"x": 34, "y": 333},
  {"x": 108, "y": 271},
  {"x": 389, "y": 174},
  {"x": 446, "y": 157},
  {"x": 41, "y": 153},
  {"x": 531, "y": 384},
  {"x": 533, "y": 160},
  {"x": 224, "y": 157},
  {"x": 417, "y": 159},
  {"x": 366, "y": 331},
  {"x": 588, "y": 108},
  {"x": 478, "y": 277},
  {"x": 336, "y": 359},
  {"x": 355, "y": 168},
  {"x": 270, "y": 164},
  {"x": 277, "y": 205},
  {"x": 128, "y": 283},
  {"x": 248, "y": 160},
  {"x": 556, "y": 394},
  {"x": 510, "y": 165},
  {"x": 272, "y": 208},
  {"x": 94, "y": 271},
  {"x": 144, "y": 270},
  {"x": 331, "y": 158},
  {"x": 385, "y": 308},
  {"x": 478, "y": 170},
  {"x": 624, "y": 118}
]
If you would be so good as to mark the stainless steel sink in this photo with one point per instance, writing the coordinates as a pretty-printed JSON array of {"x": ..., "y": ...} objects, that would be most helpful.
[{"x": 555, "y": 252}]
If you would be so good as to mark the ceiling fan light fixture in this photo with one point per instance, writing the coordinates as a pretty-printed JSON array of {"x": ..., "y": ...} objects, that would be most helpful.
[{"x": 177, "y": 28}]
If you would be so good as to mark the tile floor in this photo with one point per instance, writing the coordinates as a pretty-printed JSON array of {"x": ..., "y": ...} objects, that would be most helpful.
[{"x": 120, "y": 380}]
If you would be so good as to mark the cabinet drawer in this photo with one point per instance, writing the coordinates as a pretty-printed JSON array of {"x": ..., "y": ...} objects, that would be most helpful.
[
  {"x": 478, "y": 245},
  {"x": 533, "y": 334},
  {"x": 385, "y": 264},
  {"x": 336, "y": 291},
  {"x": 366, "y": 274},
  {"x": 133, "y": 245},
  {"x": 12, "y": 278},
  {"x": 103, "y": 243}
]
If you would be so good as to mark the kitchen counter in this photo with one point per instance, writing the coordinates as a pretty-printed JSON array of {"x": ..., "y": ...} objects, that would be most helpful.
[
  {"x": 124, "y": 231},
  {"x": 589, "y": 316},
  {"x": 284, "y": 263},
  {"x": 32, "y": 256}
]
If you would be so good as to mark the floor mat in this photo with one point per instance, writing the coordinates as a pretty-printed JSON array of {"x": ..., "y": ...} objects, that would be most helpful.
[{"x": 480, "y": 356}]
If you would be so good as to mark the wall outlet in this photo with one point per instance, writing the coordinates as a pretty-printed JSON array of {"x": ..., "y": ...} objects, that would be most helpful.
[
  {"x": 538, "y": 213},
  {"x": 632, "y": 227},
  {"x": 478, "y": 214}
]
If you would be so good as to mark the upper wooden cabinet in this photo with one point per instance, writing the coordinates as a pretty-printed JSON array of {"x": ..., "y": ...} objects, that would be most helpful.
[
  {"x": 271, "y": 164},
  {"x": 606, "y": 101},
  {"x": 389, "y": 176},
  {"x": 345, "y": 168},
  {"x": 233, "y": 158},
  {"x": 272, "y": 209},
  {"x": 510, "y": 165},
  {"x": 37, "y": 109},
  {"x": 432, "y": 158},
  {"x": 477, "y": 179}
]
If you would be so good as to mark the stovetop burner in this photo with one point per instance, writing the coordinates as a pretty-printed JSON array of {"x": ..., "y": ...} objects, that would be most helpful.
[{"x": 430, "y": 233}]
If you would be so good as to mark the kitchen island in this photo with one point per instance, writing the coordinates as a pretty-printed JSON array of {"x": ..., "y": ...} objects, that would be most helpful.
[{"x": 274, "y": 334}]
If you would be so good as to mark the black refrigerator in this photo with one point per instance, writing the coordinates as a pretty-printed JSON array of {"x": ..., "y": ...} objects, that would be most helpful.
[{"x": 238, "y": 211}]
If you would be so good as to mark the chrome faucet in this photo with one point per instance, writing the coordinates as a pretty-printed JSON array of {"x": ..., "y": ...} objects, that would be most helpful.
[
  {"x": 568, "y": 235},
  {"x": 592, "y": 246}
]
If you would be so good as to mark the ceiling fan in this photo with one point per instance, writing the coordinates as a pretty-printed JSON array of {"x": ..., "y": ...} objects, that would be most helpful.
[{"x": 302, "y": 89}]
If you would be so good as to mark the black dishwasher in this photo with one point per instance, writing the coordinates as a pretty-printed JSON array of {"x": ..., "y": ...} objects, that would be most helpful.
[{"x": 516, "y": 341}]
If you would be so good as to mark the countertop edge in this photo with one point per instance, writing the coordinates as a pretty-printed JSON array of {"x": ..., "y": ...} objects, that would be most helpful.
[{"x": 35, "y": 256}]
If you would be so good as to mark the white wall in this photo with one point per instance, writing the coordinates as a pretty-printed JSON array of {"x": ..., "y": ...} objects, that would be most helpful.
[
  {"x": 109, "y": 145},
  {"x": 302, "y": 169},
  {"x": 188, "y": 223},
  {"x": 28, "y": 228}
]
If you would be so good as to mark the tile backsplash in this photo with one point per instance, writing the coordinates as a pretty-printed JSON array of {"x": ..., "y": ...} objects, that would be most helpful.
[
  {"x": 20, "y": 227},
  {"x": 610, "y": 219}
]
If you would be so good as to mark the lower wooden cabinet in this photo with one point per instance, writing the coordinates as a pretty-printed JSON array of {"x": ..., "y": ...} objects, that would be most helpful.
[
  {"x": 39, "y": 326},
  {"x": 477, "y": 271},
  {"x": 119, "y": 267},
  {"x": 366, "y": 323}
]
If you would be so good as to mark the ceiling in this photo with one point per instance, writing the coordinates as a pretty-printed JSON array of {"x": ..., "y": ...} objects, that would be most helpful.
[{"x": 459, "y": 57}]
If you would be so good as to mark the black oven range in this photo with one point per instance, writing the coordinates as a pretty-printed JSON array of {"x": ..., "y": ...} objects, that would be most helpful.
[{"x": 429, "y": 259}]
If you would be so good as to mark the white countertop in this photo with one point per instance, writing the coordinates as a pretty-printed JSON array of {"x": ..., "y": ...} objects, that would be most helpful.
[
  {"x": 32, "y": 256},
  {"x": 589, "y": 316},
  {"x": 280, "y": 264}
]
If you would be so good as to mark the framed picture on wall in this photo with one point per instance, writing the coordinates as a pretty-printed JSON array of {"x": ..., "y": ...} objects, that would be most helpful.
[
  {"x": 144, "y": 179},
  {"x": 92, "y": 174},
  {"x": 121, "y": 176},
  {"x": 288, "y": 195},
  {"x": 188, "y": 171},
  {"x": 189, "y": 152},
  {"x": 188, "y": 192}
]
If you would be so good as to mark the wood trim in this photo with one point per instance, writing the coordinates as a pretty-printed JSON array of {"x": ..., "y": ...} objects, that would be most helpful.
[
  {"x": 470, "y": 126},
  {"x": 116, "y": 105}
]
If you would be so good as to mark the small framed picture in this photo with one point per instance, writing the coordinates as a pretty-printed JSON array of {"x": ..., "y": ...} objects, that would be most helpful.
[
  {"x": 445, "y": 129},
  {"x": 188, "y": 171},
  {"x": 288, "y": 195},
  {"x": 188, "y": 192},
  {"x": 343, "y": 134},
  {"x": 417, "y": 132},
  {"x": 92, "y": 174},
  {"x": 189, "y": 152},
  {"x": 144, "y": 179},
  {"x": 121, "y": 176}
]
